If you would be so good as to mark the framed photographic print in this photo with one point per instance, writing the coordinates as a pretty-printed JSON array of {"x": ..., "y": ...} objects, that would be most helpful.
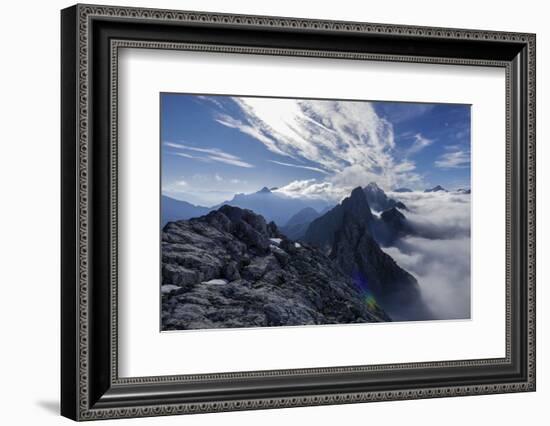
[{"x": 263, "y": 212}]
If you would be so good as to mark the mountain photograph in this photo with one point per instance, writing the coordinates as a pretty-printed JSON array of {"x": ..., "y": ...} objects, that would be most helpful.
[{"x": 281, "y": 212}]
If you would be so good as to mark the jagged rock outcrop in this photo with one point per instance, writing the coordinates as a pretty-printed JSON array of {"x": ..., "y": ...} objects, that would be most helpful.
[
  {"x": 347, "y": 234},
  {"x": 232, "y": 269},
  {"x": 393, "y": 225},
  {"x": 401, "y": 206},
  {"x": 297, "y": 225},
  {"x": 359, "y": 255},
  {"x": 464, "y": 191},
  {"x": 378, "y": 200}
]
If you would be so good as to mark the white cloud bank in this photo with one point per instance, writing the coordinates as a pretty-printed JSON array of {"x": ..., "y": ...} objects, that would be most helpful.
[
  {"x": 439, "y": 257},
  {"x": 347, "y": 140}
]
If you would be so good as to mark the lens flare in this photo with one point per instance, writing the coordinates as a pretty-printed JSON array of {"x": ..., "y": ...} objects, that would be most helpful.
[{"x": 362, "y": 285}]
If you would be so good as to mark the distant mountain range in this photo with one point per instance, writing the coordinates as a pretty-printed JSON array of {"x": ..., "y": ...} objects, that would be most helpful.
[
  {"x": 172, "y": 210},
  {"x": 297, "y": 225},
  {"x": 274, "y": 206},
  {"x": 291, "y": 214},
  {"x": 437, "y": 188}
]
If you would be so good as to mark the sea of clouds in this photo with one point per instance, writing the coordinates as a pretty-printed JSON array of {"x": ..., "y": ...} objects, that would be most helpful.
[{"x": 439, "y": 255}]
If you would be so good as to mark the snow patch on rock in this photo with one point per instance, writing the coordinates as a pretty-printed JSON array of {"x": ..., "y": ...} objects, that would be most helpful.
[
  {"x": 168, "y": 288},
  {"x": 216, "y": 281}
]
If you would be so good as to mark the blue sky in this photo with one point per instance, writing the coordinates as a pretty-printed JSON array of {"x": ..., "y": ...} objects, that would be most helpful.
[{"x": 215, "y": 146}]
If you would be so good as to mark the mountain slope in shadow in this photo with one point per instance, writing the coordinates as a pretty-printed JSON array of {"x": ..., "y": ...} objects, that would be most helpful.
[
  {"x": 297, "y": 225},
  {"x": 345, "y": 233}
]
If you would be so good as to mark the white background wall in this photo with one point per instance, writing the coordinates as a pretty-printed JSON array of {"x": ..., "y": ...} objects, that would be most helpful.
[{"x": 29, "y": 224}]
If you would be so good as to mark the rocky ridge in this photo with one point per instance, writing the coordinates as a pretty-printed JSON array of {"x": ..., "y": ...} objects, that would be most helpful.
[
  {"x": 347, "y": 234},
  {"x": 232, "y": 269}
]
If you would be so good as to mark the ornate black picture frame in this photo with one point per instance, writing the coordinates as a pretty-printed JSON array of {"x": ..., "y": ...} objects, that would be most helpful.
[{"x": 91, "y": 387}]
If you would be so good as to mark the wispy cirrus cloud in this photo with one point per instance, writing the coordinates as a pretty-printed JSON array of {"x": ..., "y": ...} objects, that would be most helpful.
[
  {"x": 299, "y": 166},
  {"x": 254, "y": 131},
  {"x": 211, "y": 99},
  {"x": 454, "y": 160},
  {"x": 207, "y": 154},
  {"x": 185, "y": 155},
  {"x": 348, "y": 141},
  {"x": 419, "y": 143}
]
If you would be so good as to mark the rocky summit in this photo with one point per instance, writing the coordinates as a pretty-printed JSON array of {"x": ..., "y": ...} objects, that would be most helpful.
[
  {"x": 230, "y": 268},
  {"x": 322, "y": 231},
  {"x": 378, "y": 200},
  {"x": 349, "y": 231}
]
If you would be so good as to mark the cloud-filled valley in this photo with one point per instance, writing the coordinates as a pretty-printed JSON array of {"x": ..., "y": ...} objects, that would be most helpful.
[{"x": 439, "y": 256}]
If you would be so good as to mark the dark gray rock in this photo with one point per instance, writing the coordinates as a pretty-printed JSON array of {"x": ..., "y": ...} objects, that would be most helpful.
[
  {"x": 392, "y": 226},
  {"x": 268, "y": 284},
  {"x": 321, "y": 231},
  {"x": 358, "y": 254},
  {"x": 178, "y": 275},
  {"x": 401, "y": 206},
  {"x": 276, "y": 314},
  {"x": 231, "y": 271},
  {"x": 378, "y": 200},
  {"x": 351, "y": 236}
]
